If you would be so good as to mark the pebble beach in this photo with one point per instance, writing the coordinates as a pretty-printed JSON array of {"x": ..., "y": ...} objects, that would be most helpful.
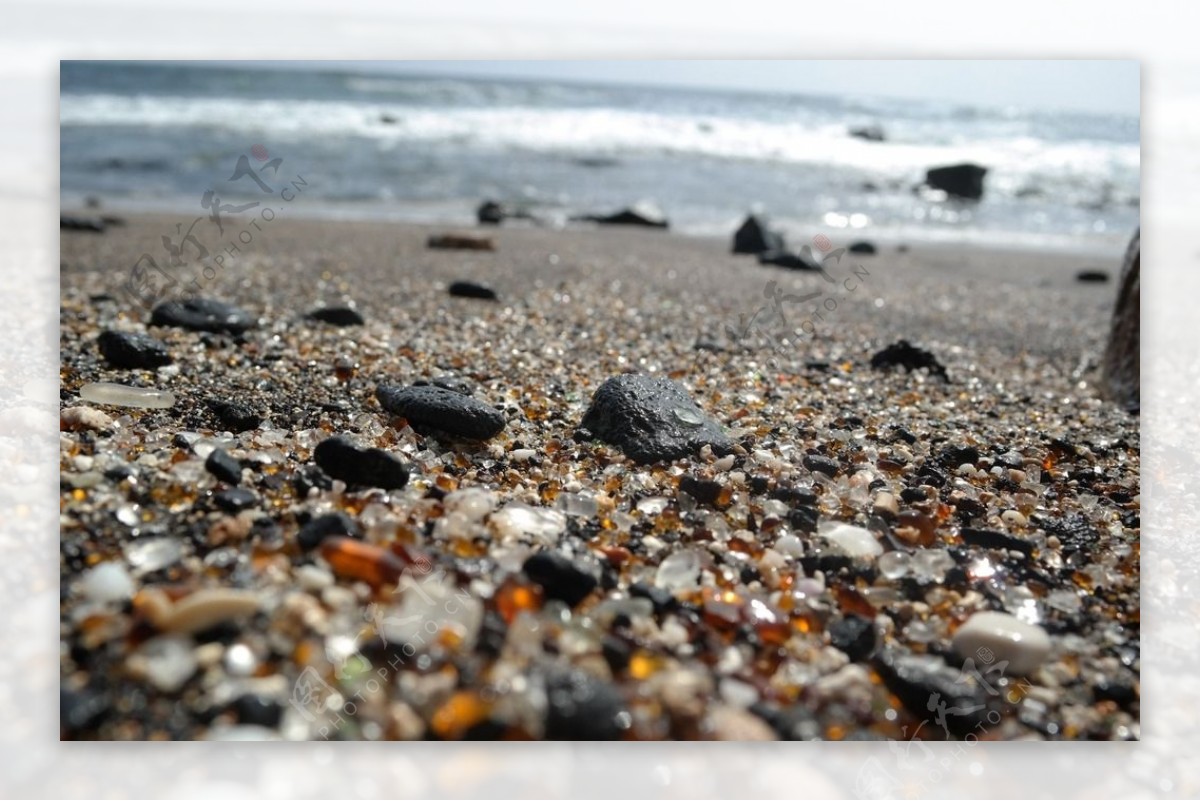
[{"x": 380, "y": 494}]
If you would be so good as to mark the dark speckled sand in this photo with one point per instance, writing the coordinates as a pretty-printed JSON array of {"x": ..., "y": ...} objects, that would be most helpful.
[{"x": 747, "y": 651}]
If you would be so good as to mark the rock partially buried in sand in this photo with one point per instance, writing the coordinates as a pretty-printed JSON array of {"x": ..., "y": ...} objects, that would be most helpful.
[
  {"x": 958, "y": 180},
  {"x": 864, "y": 248},
  {"x": 644, "y": 214},
  {"x": 910, "y": 357},
  {"x": 202, "y": 314},
  {"x": 442, "y": 409},
  {"x": 650, "y": 419},
  {"x": 999, "y": 637},
  {"x": 868, "y": 133},
  {"x": 1122, "y": 376},
  {"x": 132, "y": 351},
  {"x": 121, "y": 395},
  {"x": 460, "y": 242},
  {"x": 756, "y": 236},
  {"x": 1091, "y": 277},
  {"x": 791, "y": 261},
  {"x": 337, "y": 315},
  {"x": 468, "y": 289},
  {"x": 342, "y": 459}
]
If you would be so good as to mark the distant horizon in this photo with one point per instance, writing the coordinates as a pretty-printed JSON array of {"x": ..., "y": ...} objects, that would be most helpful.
[{"x": 1122, "y": 101}]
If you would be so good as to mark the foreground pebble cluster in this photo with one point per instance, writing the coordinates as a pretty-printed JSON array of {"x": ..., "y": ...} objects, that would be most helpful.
[{"x": 464, "y": 514}]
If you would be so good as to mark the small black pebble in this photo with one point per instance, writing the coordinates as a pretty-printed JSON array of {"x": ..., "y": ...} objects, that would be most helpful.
[
  {"x": 863, "y": 247},
  {"x": 331, "y": 525},
  {"x": 337, "y": 315},
  {"x": 224, "y": 466},
  {"x": 1092, "y": 277},
  {"x": 467, "y": 289},
  {"x": 910, "y": 357},
  {"x": 254, "y": 710},
  {"x": 559, "y": 577},
  {"x": 581, "y": 707},
  {"x": 235, "y": 416},
  {"x": 132, "y": 351},
  {"x": 705, "y": 490},
  {"x": 235, "y": 500},
  {"x": 202, "y": 314},
  {"x": 821, "y": 464},
  {"x": 369, "y": 467},
  {"x": 854, "y": 635}
]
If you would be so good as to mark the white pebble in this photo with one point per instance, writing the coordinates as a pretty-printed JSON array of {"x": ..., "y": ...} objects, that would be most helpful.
[
  {"x": 522, "y": 455},
  {"x": 78, "y": 418},
  {"x": 517, "y": 519},
  {"x": 790, "y": 545},
  {"x": 725, "y": 463},
  {"x": 107, "y": 582},
  {"x": 474, "y": 504},
  {"x": 1013, "y": 517},
  {"x": 680, "y": 570},
  {"x": 1003, "y": 638},
  {"x": 122, "y": 395},
  {"x": 857, "y": 542},
  {"x": 167, "y": 662}
]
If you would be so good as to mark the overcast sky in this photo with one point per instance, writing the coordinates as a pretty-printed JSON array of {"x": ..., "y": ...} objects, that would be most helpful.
[{"x": 1104, "y": 86}]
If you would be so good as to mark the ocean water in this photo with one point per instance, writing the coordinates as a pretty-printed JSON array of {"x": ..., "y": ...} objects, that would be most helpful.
[{"x": 390, "y": 145}]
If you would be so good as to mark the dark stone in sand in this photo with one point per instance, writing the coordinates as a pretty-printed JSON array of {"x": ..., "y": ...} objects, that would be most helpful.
[
  {"x": 92, "y": 225},
  {"x": 337, "y": 315},
  {"x": 235, "y": 500},
  {"x": 663, "y": 599},
  {"x": 459, "y": 242},
  {"x": 387, "y": 119},
  {"x": 80, "y": 710},
  {"x": 202, "y": 314},
  {"x": 224, "y": 466},
  {"x": 795, "y": 496},
  {"x": 643, "y": 214},
  {"x": 792, "y": 261},
  {"x": 442, "y": 409},
  {"x": 582, "y": 707},
  {"x": 1121, "y": 374},
  {"x": 955, "y": 456},
  {"x": 756, "y": 236},
  {"x": 255, "y": 710},
  {"x": 853, "y": 635},
  {"x": 314, "y": 532},
  {"x": 310, "y": 476},
  {"x": 467, "y": 289},
  {"x": 1091, "y": 277},
  {"x": 235, "y": 416},
  {"x": 926, "y": 685},
  {"x": 342, "y": 459},
  {"x": 865, "y": 248},
  {"x": 559, "y": 577},
  {"x": 490, "y": 213},
  {"x": 995, "y": 540},
  {"x": 133, "y": 351},
  {"x": 821, "y": 464},
  {"x": 958, "y": 180},
  {"x": 870, "y": 133},
  {"x": 705, "y": 490},
  {"x": 906, "y": 355},
  {"x": 651, "y": 419}
]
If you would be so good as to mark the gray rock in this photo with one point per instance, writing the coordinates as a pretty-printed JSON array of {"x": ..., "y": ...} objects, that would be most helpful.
[
  {"x": 650, "y": 419},
  {"x": 202, "y": 314},
  {"x": 442, "y": 409},
  {"x": 1122, "y": 376}
]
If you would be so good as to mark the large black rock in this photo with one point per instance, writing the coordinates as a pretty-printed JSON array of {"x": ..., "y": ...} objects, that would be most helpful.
[
  {"x": 959, "y": 180},
  {"x": 1122, "y": 376},
  {"x": 340, "y": 458},
  {"x": 442, "y": 409},
  {"x": 755, "y": 236},
  {"x": 202, "y": 314},
  {"x": 651, "y": 419}
]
